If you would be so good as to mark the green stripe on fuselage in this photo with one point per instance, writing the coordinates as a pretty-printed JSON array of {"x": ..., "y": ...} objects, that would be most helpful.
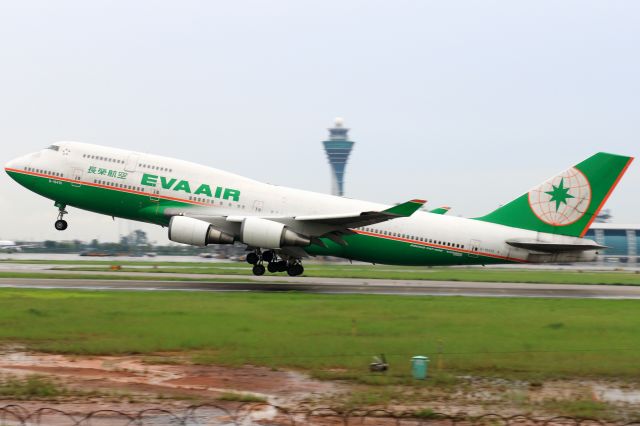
[{"x": 378, "y": 249}]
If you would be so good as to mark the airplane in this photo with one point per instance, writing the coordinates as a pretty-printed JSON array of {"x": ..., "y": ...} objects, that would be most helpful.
[
  {"x": 281, "y": 226},
  {"x": 9, "y": 246}
]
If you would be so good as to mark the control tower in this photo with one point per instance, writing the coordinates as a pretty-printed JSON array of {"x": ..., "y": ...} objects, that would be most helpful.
[{"x": 338, "y": 147}]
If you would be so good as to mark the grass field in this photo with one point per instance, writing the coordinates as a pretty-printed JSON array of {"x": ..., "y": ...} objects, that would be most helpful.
[{"x": 335, "y": 336}]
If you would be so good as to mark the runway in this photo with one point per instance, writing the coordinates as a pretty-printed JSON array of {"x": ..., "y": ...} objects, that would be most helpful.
[{"x": 337, "y": 286}]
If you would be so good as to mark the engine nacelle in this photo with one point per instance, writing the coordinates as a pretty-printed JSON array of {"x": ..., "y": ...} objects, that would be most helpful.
[
  {"x": 196, "y": 232},
  {"x": 263, "y": 233}
]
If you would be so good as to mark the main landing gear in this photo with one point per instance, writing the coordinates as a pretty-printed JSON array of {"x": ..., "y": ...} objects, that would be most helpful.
[
  {"x": 291, "y": 266},
  {"x": 61, "y": 224}
]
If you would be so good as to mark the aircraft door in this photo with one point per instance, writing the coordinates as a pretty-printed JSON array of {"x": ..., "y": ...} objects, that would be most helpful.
[
  {"x": 474, "y": 246},
  {"x": 131, "y": 164},
  {"x": 258, "y": 206},
  {"x": 77, "y": 177}
]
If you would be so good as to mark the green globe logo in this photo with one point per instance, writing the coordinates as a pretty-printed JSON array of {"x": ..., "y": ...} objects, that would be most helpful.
[{"x": 563, "y": 199}]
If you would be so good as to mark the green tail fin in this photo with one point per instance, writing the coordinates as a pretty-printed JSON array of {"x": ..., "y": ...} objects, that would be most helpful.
[{"x": 567, "y": 203}]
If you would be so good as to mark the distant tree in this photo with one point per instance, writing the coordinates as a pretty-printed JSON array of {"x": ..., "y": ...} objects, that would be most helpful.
[
  {"x": 124, "y": 243},
  {"x": 48, "y": 244},
  {"x": 140, "y": 237}
]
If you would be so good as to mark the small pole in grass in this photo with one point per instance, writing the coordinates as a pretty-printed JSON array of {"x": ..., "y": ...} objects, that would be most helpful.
[{"x": 440, "y": 347}]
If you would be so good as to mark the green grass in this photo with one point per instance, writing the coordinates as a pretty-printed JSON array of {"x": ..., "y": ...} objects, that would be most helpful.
[
  {"x": 581, "y": 408},
  {"x": 33, "y": 386},
  {"x": 506, "y": 337}
]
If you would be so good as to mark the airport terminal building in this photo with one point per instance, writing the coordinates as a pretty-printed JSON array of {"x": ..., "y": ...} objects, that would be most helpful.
[{"x": 622, "y": 241}]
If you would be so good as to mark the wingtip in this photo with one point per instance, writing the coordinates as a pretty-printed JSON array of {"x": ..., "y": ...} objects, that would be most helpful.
[{"x": 419, "y": 201}]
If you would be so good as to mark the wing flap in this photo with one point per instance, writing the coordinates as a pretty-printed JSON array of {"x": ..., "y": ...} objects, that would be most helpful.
[{"x": 355, "y": 220}]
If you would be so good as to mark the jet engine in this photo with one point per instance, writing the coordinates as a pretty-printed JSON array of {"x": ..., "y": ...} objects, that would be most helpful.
[
  {"x": 263, "y": 233},
  {"x": 196, "y": 232}
]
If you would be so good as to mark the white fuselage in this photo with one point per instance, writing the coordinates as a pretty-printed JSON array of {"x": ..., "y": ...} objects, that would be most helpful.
[{"x": 124, "y": 171}]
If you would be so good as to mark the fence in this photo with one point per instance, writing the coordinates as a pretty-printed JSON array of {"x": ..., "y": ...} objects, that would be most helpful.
[{"x": 267, "y": 414}]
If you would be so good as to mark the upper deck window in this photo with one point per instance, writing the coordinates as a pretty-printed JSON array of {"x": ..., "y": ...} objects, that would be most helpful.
[{"x": 54, "y": 147}]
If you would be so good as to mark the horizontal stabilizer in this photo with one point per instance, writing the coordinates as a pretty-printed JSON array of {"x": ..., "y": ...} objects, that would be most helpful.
[{"x": 548, "y": 247}]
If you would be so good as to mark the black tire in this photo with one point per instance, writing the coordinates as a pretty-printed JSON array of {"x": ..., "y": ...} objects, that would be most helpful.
[
  {"x": 295, "y": 270},
  {"x": 273, "y": 267},
  {"x": 258, "y": 270},
  {"x": 60, "y": 225},
  {"x": 282, "y": 266},
  {"x": 252, "y": 258},
  {"x": 268, "y": 256}
]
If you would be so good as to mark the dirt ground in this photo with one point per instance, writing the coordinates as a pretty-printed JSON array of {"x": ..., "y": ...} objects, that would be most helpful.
[{"x": 132, "y": 384}]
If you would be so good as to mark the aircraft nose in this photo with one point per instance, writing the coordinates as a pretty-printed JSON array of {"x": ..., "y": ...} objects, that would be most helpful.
[
  {"x": 11, "y": 164},
  {"x": 15, "y": 164}
]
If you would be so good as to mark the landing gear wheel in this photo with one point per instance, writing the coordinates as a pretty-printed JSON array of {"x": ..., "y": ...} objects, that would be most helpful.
[
  {"x": 273, "y": 267},
  {"x": 281, "y": 265},
  {"x": 60, "y": 224},
  {"x": 268, "y": 256},
  {"x": 258, "y": 270},
  {"x": 295, "y": 269},
  {"x": 253, "y": 258}
]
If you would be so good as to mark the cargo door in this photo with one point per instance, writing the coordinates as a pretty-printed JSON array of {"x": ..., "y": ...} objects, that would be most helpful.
[
  {"x": 131, "y": 164},
  {"x": 474, "y": 247}
]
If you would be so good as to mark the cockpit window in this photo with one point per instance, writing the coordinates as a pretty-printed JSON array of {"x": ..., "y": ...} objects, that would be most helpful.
[{"x": 54, "y": 147}]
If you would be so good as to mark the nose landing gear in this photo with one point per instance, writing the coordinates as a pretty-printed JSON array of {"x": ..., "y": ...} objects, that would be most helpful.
[{"x": 61, "y": 224}]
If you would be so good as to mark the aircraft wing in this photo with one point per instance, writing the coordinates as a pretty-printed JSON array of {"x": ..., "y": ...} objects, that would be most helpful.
[
  {"x": 315, "y": 226},
  {"x": 355, "y": 220},
  {"x": 440, "y": 210}
]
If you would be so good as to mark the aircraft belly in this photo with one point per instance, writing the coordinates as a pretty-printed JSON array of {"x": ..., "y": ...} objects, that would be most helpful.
[{"x": 387, "y": 251}]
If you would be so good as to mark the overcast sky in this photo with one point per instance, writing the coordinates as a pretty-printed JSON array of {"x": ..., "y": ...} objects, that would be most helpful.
[{"x": 467, "y": 104}]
